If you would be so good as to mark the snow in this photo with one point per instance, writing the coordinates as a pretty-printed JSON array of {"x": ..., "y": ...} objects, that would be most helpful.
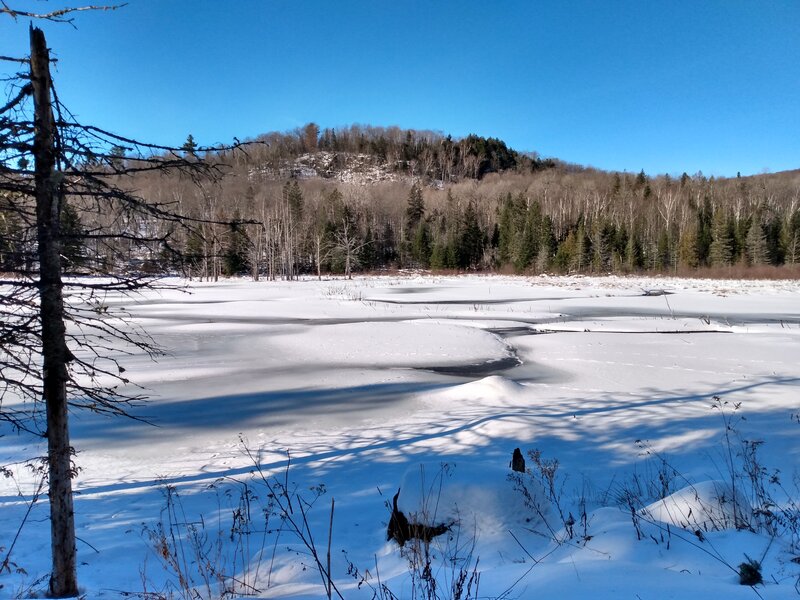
[{"x": 427, "y": 384}]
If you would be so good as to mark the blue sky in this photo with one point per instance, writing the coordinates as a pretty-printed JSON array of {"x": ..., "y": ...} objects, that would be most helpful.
[{"x": 654, "y": 85}]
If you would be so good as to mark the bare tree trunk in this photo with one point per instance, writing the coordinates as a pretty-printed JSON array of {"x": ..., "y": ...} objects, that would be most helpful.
[{"x": 55, "y": 354}]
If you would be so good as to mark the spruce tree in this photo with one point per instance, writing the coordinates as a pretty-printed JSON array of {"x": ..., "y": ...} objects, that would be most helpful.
[
  {"x": 688, "y": 255},
  {"x": 470, "y": 248},
  {"x": 720, "y": 252},
  {"x": 756, "y": 243},
  {"x": 421, "y": 245}
]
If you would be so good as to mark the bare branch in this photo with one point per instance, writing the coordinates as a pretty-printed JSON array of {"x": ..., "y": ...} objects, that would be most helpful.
[{"x": 58, "y": 16}]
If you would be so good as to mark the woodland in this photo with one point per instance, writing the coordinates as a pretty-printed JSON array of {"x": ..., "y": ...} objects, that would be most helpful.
[{"x": 364, "y": 198}]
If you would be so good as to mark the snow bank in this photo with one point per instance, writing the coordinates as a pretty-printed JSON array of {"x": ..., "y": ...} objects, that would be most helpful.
[{"x": 707, "y": 506}]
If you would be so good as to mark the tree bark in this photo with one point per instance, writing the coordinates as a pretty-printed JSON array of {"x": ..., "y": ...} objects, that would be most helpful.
[{"x": 55, "y": 354}]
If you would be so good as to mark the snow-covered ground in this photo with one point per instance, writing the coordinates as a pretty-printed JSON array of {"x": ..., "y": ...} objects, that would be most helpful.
[{"x": 427, "y": 385}]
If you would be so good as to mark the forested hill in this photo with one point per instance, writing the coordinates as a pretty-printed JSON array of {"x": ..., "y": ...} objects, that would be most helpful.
[
  {"x": 393, "y": 151},
  {"x": 366, "y": 198}
]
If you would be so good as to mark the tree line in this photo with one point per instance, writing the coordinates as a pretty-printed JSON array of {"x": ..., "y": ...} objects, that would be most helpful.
[{"x": 501, "y": 212}]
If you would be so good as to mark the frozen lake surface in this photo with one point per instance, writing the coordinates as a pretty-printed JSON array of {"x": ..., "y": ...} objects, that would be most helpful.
[{"x": 363, "y": 381}]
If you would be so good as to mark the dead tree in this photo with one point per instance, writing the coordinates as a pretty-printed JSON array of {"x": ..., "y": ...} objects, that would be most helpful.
[
  {"x": 55, "y": 354},
  {"x": 56, "y": 340}
]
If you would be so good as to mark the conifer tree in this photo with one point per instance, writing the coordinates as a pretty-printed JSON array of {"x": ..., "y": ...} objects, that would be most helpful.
[
  {"x": 547, "y": 245},
  {"x": 421, "y": 245},
  {"x": 756, "y": 243},
  {"x": 688, "y": 255},
  {"x": 416, "y": 208},
  {"x": 73, "y": 246},
  {"x": 470, "y": 248},
  {"x": 236, "y": 248},
  {"x": 720, "y": 253}
]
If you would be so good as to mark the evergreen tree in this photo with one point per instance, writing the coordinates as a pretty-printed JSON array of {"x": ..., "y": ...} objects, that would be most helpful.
[
  {"x": 663, "y": 254},
  {"x": 565, "y": 253},
  {"x": 368, "y": 256},
  {"x": 73, "y": 235},
  {"x": 790, "y": 238},
  {"x": 504, "y": 229},
  {"x": 603, "y": 246},
  {"x": 190, "y": 146},
  {"x": 470, "y": 247},
  {"x": 705, "y": 217},
  {"x": 720, "y": 253},
  {"x": 547, "y": 245},
  {"x": 756, "y": 243},
  {"x": 294, "y": 198},
  {"x": 421, "y": 245},
  {"x": 387, "y": 245},
  {"x": 526, "y": 244},
  {"x": 236, "y": 258},
  {"x": 688, "y": 255},
  {"x": 583, "y": 248},
  {"x": 416, "y": 208},
  {"x": 439, "y": 255},
  {"x": 194, "y": 253},
  {"x": 634, "y": 259}
]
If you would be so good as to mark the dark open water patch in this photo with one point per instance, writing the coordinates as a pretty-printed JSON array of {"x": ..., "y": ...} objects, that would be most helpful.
[{"x": 483, "y": 369}]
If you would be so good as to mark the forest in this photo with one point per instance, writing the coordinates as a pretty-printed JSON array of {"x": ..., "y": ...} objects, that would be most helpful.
[{"x": 364, "y": 199}]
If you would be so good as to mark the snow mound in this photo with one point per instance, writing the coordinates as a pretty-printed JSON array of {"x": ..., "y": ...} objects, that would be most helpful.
[
  {"x": 494, "y": 386},
  {"x": 484, "y": 500},
  {"x": 707, "y": 506}
]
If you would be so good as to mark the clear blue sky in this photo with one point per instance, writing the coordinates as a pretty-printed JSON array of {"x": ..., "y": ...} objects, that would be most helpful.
[{"x": 656, "y": 85}]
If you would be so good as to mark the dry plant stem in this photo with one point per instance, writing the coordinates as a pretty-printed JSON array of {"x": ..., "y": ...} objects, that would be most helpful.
[
  {"x": 287, "y": 502},
  {"x": 5, "y": 565},
  {"x": 330, "y": 538}
]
